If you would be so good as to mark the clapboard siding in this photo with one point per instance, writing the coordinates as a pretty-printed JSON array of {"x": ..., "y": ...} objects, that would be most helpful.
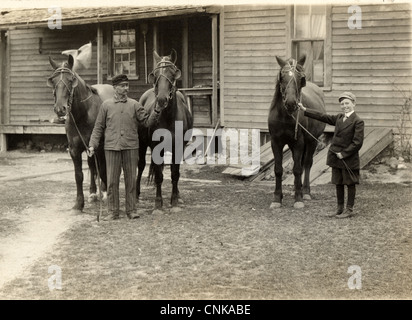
[
  {"x": 30, "y": 98},
  {"x": 253, "y": 35},
  {"x": 373, "y": 62}
]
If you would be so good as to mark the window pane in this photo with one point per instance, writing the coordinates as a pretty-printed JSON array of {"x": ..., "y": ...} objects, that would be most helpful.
[
  {"x": 124, "y": 53},
  {"x": 314, "y": 64},
  {"x": 310, "y": 21}
]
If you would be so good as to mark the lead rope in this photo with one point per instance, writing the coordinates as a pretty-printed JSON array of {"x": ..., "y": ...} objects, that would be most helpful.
[
  {"x": 96, "y": 164},
  {"x": 351, "y": 173}
]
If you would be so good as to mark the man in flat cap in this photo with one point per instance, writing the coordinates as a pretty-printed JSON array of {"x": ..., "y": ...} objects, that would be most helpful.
[
  {"x": 118, "y": 121},
  {"x": 343, "y": 155}
]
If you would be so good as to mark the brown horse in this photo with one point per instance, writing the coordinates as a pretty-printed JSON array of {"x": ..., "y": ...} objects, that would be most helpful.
[
  {"x": 79, "y": 104},
  {"x": 292, "y": 88},
  {"x": 170, "y": 133}
]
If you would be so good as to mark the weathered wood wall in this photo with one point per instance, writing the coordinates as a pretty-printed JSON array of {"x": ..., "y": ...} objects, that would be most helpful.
[
  {"x": 30, "y": 98},
  {"x": 375, "y": 62},
  {"x": 253, "y": 35}
]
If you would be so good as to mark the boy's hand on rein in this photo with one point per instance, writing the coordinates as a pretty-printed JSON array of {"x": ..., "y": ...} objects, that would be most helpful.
[
  {"x": 301, "y": 107},
  {"x": 339, "y": 155}
]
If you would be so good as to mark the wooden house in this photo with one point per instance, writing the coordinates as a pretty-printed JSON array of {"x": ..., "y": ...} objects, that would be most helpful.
[{"x": 226, "y": 54}]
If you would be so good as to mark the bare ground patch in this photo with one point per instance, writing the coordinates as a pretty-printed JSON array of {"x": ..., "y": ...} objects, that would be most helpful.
[{"x": 225, "y": 243}]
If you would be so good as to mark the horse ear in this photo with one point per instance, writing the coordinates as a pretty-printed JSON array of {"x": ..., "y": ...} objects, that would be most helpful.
[
  {"x": 150, "y": 77},
  {"x": 156, "y": 56},
  {"x": 178, "y": 74},
  {"x": 53, "y": 63},
  {"x": 280, "y": 61},
  {"x": 71, "y": 62},
  {"x": 173, "y": 56},
  {"x": 50, "y": 83},
  {"x": 75, "y": 82},
  {"x": 302, "y": 60}
]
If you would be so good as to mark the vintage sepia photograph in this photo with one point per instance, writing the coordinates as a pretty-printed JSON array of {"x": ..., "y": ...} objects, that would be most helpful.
[{"x": 207, "y": 151}]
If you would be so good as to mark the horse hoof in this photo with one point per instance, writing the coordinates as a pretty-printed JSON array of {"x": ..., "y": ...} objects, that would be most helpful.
[
  {"x": 180, "y": 201},
  {"x": 298, "y": 205},
  {"x": 175, "y": 210},
  {"x": 307, "y": 197},
  {"x": 275, "y": 205},
  {"x": 92, "y": 198}
]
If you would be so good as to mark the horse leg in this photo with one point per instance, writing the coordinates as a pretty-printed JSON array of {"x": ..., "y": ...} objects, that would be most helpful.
[
  {"x": 297, "y": 172},
  {"x": 78, "y": 175},
  {"x": 93, "y": 175},
  {"x": 141, "y": 164},
  {"x": 278, "y": 155},
  {"x": 158, "y": 182},
  {"x": 307, "y": 165},
  {"x": 175, "y": 175},
  {"x": 101, "y": 161}
]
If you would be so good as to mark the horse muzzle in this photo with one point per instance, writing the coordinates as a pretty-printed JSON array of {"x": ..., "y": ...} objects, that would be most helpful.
[{"x": 61, "y": 111}]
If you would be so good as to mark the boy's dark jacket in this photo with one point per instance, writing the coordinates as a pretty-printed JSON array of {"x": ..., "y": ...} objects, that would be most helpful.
[{"x": 347, "y": 139}]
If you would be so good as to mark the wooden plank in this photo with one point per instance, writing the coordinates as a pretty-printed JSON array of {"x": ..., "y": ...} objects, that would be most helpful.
[
  {"x": 215, "y": 68},
  {"x": 374, "y": 145}
]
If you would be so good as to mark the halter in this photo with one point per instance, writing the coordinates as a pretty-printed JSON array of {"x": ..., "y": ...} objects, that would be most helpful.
[
  {"x": 161, "y": 66},
  {"x": 63, "y": 70}
]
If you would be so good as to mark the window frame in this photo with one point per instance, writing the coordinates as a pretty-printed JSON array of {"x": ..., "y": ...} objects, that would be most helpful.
[
  {"x": 327, "y": 43},
  {"x": 111, "y": 60}
]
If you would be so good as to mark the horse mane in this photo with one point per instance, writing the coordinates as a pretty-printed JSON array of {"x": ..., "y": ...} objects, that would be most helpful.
[{"x": 277, "y": 94}]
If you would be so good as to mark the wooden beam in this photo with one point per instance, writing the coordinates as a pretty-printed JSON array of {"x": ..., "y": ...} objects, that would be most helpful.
[
  {"x": 185, "y": 53},
  {"x": 155, "y": 40},
  {"x": 215, "y": 58},
  {"x": 99, "y": 53},
  {"x": 222, "y": 66}
]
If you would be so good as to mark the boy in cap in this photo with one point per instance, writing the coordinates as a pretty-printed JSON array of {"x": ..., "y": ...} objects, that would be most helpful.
[
  {"x": 118, "y": 120},
  {"x": 343, "y": 155}
]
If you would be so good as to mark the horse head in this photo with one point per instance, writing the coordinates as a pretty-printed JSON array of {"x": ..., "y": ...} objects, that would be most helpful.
[
  {"x": 291, "y": 80},
  {"x": 63, "y": 81},
  {"x": 164, "y": 77}
]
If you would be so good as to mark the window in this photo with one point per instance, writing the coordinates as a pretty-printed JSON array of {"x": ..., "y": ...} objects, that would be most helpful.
[
  {"x": 123, "y": 43},
  {"x": 309, "y": 36}
]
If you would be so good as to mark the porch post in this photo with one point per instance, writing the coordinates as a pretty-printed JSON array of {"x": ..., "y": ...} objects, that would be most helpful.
[
  {"x": 215, "y": 55},
  {"x": 99, "y": 54},
  {"x": 155, "y": 40},
  {"x": 185, "y": 54}
]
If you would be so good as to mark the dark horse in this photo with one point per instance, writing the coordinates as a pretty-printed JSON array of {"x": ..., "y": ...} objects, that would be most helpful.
[
  {"x": 292, "y": 88},
  {"x": 79, "y": 104},
  {"x": 175, "y": 120}
]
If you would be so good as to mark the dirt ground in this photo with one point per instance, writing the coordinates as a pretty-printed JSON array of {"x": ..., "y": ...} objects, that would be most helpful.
[{"x": 223, "y": 243}]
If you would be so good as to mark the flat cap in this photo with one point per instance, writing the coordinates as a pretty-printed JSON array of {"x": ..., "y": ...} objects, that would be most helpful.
[
  {"x": 119, "y": 78},
  {"x": 347, "y": 95}
]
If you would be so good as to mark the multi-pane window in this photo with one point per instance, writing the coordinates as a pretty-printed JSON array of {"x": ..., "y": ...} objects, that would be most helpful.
[
  {"x": 124, "y": 48},
  {"x": 309, "y": 34}
]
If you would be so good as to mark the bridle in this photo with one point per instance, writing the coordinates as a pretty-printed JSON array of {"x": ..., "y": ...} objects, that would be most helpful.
[
  {"x": 293, "y": 71},
  {"x": 161, "y": 65},
  {"x": 63, "y": 70}
]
